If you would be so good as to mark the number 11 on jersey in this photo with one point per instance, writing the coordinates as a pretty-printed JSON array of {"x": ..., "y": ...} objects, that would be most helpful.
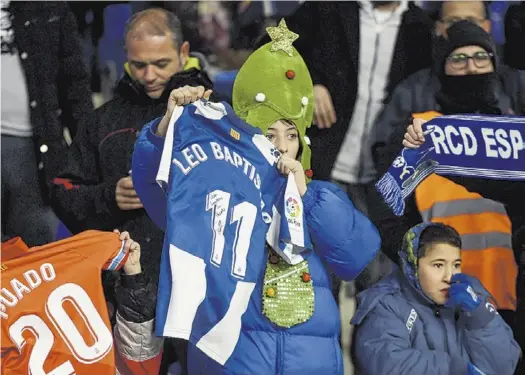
[{"x": 244, "y": 214}]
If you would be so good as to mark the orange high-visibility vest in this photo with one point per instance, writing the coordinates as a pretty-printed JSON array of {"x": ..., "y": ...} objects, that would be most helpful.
[{"x": 485, "y": 229}]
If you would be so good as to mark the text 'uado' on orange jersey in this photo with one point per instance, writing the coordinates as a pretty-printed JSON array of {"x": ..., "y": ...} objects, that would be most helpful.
[{"x": 53, "y": 313}]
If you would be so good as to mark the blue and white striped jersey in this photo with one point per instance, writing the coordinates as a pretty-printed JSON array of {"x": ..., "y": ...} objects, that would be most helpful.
[{"x": 221, "y": 183}]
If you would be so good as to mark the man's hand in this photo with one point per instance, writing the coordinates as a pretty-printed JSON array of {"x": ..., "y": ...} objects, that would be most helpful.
[
  {"x": 414, "y": 136},
  {"x": 132, "y": 265},
  {"x": 287, "y": 165},
  {"x": 126, "y": 196},
  {"x": 324, "y": 112},
  {"x": 181, "y": 96}
]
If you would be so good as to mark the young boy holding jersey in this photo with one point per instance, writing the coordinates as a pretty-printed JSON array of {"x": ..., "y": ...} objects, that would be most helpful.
[{"x": 291, "y": 326}]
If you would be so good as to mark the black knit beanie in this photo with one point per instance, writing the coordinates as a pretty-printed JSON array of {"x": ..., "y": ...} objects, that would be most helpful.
[{"x": 460, "y": 34}]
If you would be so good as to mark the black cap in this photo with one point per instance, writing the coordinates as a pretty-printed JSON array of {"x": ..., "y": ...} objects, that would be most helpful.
[{"x": 460, "y": 34}]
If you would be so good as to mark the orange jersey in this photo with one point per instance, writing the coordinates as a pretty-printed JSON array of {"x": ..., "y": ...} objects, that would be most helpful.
[{"x": 52, "y": 307}]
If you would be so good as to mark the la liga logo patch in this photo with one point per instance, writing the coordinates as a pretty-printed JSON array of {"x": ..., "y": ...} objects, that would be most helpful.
[{"x": 293, "y": 208}]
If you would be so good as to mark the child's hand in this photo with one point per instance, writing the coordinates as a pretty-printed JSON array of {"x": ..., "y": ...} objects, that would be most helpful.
[
  {"x": 178, "y": 97},
  {"x": 132, "y": 265},
  {"x": 414, "y": 136},
  {"x": 461, "y": 294},
  {"x": 287, "y": 165}
]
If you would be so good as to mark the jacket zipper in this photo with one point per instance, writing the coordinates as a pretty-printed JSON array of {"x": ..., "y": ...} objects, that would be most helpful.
[
  {"x": 280, "y": 351},
  {"x": 437, "y": 313}
]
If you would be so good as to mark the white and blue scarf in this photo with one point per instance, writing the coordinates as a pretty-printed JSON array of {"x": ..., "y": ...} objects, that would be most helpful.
[
  {"x": 461, "y": 145},
  {"x": 288, "y": 233}
]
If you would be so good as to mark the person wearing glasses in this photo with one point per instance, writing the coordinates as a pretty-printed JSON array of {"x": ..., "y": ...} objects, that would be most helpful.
[
  {"x": 466, "y": 70},
  {"x": 417, "y": 93},
  {"x": 467, "y": 78}
]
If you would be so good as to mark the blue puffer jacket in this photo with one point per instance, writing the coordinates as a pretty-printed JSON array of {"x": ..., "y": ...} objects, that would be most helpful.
[
  {"x": 400, "y": 331},
  {"x": 345, "y": 242}
]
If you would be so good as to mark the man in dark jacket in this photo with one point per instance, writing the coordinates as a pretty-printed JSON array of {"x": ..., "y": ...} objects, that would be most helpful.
[
  {"x": 423, "y": 91},
  {"x": 419, "y": 92},
  {"x": 500, "y": 92},
  {"x": 95, "y": 189},
  {"x": 45, "y": 88},
  {"x": 342, "y": 43}
]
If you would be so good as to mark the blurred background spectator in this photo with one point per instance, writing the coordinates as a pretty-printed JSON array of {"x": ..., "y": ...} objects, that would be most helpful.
[
  {"x": 515, "y": 36},
  {"x": 357, "y": 52},
  {"x": 92, "y": 11},
  {"x": 45, "y": 89},
  {"x": 226, "y": 31}
]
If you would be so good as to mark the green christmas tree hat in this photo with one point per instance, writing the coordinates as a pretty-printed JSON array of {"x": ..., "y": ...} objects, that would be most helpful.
[{"x": 275, "y": 84}]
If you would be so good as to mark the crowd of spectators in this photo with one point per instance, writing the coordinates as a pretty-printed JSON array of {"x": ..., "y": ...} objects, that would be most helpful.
[{"x": 80, "y": 80}]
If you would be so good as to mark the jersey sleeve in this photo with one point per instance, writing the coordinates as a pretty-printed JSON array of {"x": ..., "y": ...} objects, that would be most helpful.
[
  {"x": 13, "y": 248},
  {"x": 117, "y": 258},
  {"x": 102, "y": 248}
]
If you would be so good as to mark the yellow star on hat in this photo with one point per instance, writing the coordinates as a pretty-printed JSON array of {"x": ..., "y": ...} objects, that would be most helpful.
[{"x": 282, "y": 38}]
